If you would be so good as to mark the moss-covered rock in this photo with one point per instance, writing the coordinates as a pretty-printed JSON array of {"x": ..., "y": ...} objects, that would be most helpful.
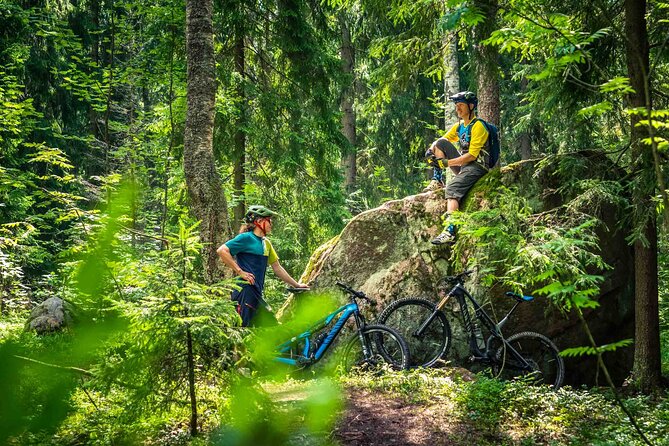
[{"x": 386, "y": 252}]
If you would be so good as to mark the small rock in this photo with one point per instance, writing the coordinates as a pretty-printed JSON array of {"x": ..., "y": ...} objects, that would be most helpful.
[{"x": 53, "y": 314}]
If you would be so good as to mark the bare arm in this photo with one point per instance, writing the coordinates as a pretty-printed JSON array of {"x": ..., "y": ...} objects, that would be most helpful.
[
  {"x": 461, "y": 160},
  {"x": 283, "y": 275},
  {"x": 225, "y": 256}
]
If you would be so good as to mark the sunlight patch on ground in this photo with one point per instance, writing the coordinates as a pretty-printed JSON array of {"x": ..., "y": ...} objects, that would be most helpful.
[{"x": 295, "y": 390}]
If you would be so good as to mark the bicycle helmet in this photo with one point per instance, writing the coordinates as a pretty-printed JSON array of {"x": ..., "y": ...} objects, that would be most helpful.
[
  {"x": 465, "y": 96},
  {"x": 258, "y": 211}
]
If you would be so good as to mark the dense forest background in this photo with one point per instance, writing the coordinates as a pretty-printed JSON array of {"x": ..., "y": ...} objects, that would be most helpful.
[{"x": 133, "y": 135}]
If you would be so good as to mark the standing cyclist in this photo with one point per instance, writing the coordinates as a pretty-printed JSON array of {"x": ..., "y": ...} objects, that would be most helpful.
[
  {"x": 468, "y": 163},
  {"x": 248, "y": 255}
]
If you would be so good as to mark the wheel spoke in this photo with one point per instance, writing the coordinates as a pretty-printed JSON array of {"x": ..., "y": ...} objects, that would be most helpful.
[{"x": 407, "y": 316}]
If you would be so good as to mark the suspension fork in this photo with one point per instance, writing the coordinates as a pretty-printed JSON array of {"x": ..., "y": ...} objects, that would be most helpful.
[
  {"x": 419, "y": 332},
  {"x": 361, "y": 324}
]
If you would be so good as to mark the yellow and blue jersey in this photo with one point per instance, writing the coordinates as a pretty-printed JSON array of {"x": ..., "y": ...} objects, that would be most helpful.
[{"x": 470, "y": 142}]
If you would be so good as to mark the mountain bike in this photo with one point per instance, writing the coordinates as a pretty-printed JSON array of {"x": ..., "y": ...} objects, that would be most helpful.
[
  {"x": 370, "y": 347},
  {"x": 428, "y": 333}
]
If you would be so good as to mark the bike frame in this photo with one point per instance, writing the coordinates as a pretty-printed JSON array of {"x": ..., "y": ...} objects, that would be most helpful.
[
  {"x": 462, "y": 295},
  {"x": 303, "y": 358}
]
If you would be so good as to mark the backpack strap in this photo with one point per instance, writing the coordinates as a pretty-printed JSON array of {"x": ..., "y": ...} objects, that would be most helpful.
[{"x": 469, "y": 134}]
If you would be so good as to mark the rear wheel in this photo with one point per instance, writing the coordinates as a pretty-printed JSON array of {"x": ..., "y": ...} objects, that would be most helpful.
[
  {"x": 546, "y": 366},
  {"x": 406, "y": 316},
  {"x": 385, "y": 348}
]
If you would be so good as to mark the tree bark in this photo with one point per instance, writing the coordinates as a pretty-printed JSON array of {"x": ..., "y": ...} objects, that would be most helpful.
[
  {"x": 524, "y": 141},
  {"x": 204, "y": 184},
  {"x": 348, "y": 118},
  {"x": 487, "y": 67},
  {"x": 647, "y": 363},
  {"x": 95, "y": 57},
  {"x": 451, "y": 75},
  {"x": 190, "y": 360},
  {"x": 239, "y": 175}
]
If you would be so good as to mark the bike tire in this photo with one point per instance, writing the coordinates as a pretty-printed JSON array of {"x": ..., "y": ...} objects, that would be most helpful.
[
  {"x": 406, "y": 316},
  {"x": 536, "y": 349},
  {"x": 388, "y": 347}
]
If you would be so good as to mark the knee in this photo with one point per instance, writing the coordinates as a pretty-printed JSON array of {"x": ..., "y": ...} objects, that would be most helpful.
[{"x": 439, "y": 147}]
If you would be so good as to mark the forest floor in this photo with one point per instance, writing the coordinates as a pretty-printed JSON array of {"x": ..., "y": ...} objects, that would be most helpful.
[
  {"x": 453, "y": 407},
  {"x": 376, "y": 419},
  {"x": 432, "y": 409}
]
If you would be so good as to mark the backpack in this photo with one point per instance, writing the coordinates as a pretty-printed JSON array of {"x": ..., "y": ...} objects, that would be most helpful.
[{"x": 493, "y": 142}]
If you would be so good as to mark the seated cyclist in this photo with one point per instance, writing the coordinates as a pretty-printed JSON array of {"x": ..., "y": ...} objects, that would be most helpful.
[
  {"x": 467, "y": 163},
  {"x": 248, "y": 255}
]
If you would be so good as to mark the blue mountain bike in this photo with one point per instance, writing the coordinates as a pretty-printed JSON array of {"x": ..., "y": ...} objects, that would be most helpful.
[{"x": 370, "y": 347}]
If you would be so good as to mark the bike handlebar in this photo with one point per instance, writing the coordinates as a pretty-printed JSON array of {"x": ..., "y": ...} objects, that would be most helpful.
[
  {"x": 459, "y": 277},
  {"x": 352, "y": 292}
]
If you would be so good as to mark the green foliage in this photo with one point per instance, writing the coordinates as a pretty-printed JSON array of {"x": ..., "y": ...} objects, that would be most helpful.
[
  {"x": 39, "y": 375},
  {"x": 482, "y": 401},
  {"x": 593, "y": 351},
  {"x": 165, "y": 309},
  {"x": 253, "y": 417},
  {"x": 554, "y": 252}
]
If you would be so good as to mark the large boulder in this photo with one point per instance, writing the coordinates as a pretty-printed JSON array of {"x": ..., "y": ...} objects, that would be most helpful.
[
  {"x": 53, "y": 314},
  {"x": 386, "y": 252}
]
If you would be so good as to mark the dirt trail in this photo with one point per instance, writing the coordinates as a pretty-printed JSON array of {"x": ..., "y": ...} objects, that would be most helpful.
[{"x": 376, "y": 419}]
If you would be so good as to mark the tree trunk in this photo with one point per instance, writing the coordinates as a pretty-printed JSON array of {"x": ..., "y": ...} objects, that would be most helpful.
[
  {"x": 348, "y": 161},
  {"x": 240, "y": 132},
  {"x": 487, "y": 67},
  {"x": 110, "y": 91},
  {"x": 451, "y": 75},
  {"x": 95, "y": 57},
  {"x": 170, "y": 147},
  {"x": 524, "y": 142},
  {"x": 191, "y": 382},
  {"x": 647, "y": 363},
  {"x": 205, "y": 189}
]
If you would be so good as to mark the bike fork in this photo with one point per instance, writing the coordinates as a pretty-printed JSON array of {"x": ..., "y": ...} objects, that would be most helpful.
[{"x": 419, "y": 332}]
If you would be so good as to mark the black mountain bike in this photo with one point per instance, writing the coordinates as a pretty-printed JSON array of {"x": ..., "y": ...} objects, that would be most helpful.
[{"x": 425, "y": 327}]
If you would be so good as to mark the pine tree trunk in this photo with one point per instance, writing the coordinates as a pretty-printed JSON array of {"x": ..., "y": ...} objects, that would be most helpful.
[
  {"x": 240, "y": 135},
  {"x": 348, "y": 119},
  {"x": 487, "y": 66},
  {"x": 205, "y": 189},
  {"x": 451, "y": 76},
  {"x": 647, "y": 363},
  {"x": 95, "y": 57},
  {"x": 524, "y": 142}
]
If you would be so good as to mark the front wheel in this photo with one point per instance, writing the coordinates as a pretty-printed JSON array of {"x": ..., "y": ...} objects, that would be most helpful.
[
  {"x": 544, "y": 363},
  {"x": 374, "y": 348},
  {"x": 406, "y": 316}
]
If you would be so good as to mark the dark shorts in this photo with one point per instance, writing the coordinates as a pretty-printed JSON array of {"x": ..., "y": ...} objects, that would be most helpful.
[
  {"x": 251, "y": 308},
  {"x": 468, "y": 175},
  {"x": 461, "y": 183}
]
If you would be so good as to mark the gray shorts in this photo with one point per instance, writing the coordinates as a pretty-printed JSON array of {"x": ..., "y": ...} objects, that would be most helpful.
[{"x": 458, "y": 187}]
